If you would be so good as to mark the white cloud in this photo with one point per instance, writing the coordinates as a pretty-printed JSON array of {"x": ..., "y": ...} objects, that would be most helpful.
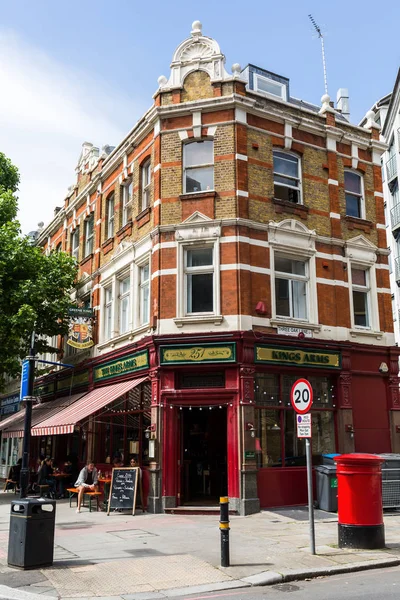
[{"x": 47, "y": 110}]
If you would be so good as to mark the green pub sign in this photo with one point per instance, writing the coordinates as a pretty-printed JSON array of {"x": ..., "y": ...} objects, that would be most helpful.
[
  {"x": 122, "y": 366},
  {"x": 295, "y": 356},
  {"x": 206, "y": 353}
]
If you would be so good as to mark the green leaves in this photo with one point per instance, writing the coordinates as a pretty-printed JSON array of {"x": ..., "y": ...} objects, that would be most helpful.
[{"x": 34, "y": 288}]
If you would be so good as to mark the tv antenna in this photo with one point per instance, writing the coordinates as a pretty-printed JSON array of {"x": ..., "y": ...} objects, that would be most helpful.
[{"x": 321, "y": 37}]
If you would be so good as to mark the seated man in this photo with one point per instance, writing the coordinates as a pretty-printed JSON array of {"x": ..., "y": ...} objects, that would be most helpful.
[
  {"x": 87, "y": 480},
  {"x": 45, "y": 477}
]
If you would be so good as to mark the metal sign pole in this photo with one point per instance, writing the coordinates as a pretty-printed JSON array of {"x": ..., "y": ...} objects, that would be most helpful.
[{"x": 310, "y": 495}]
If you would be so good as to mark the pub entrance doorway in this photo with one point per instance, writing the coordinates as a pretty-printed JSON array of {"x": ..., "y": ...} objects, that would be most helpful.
[{"x": 204, "y": 455}]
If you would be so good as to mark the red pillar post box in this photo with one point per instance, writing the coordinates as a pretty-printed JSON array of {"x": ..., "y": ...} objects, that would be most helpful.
[{"x": 360, "y": 513}]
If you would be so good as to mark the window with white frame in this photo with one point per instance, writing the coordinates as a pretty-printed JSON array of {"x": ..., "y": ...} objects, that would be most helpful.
[
  {"x": 126, "y": 202},
  {"x": 124, "y": 304},
  {"x": 268, "y": 86},
  {"x": 287, "y": 177},
  {"x": 360, "y": 283},
  {"x": 198, "y": 166},
  {"x": 75, "y": 244},
  {"x": 110, "y": 216},
  {"x": 108, "y": 312},
  {"x": 89, "y": 235},
  {"x": 145, "y": 184},
  {"x": 144, "y": 294},
  {"x": 199, "y": 279},
  {"x": 291, "y": 287},
  {"x": 353, "y": 189}
]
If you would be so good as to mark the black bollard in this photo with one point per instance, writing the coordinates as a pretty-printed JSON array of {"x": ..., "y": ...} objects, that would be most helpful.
[{"x": 224, "y": 528}]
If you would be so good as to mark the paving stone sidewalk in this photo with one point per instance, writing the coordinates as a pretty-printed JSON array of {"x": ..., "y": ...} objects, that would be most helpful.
[{"x": 156, "y": 556}]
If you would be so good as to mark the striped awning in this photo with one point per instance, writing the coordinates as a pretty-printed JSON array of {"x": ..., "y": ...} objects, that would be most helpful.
[
  {"x": 40, "y": 412},
  {"x": 65, "y": 421}
]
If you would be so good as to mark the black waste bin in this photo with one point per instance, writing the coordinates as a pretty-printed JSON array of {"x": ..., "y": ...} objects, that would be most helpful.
[
  {"x": 327, "y": 487},
  {"x": 31, "y": 541}
]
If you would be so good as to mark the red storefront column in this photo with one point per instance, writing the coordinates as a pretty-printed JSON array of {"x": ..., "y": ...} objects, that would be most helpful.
[{"x": 170, "y": 456}]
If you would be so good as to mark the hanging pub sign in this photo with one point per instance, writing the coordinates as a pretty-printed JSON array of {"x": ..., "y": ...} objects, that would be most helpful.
[{"x": 80, "y": 330}]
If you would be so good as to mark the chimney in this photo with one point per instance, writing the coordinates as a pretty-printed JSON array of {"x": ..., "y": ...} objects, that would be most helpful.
[{"x": 342, "y": 102}]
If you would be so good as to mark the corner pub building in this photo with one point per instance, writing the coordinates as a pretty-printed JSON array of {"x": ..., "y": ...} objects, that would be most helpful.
[{"x": 233, "y": 242}]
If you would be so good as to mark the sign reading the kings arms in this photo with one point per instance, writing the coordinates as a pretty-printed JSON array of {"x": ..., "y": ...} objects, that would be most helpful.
[
  {"x": 294, "y": 356},
  {"x": 123, "y": 366},
  {"x": 206, "y": 353}
]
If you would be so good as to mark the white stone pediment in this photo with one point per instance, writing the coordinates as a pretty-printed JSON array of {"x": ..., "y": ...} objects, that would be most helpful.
[
  {"x": 197, "y": 217},
  {"x": 197, "y": 227},
  {"x": 360, "y": 249},
  {"x": 291, "y": 235}
]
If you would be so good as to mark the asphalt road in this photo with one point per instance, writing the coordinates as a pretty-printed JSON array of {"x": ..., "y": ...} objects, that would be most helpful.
[{"x": 379, "y": 584}]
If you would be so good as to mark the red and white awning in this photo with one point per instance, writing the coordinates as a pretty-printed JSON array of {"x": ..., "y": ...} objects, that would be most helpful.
[
  {"x": 65, "y": 421},
  {"x": 41, "y": 412}
]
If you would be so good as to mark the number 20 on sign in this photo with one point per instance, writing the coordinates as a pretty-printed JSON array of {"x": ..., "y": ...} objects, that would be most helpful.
[{"x": 301, "y": 396}]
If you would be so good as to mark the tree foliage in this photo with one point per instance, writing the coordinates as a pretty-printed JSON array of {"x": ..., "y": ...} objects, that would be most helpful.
[{"x": 34, "y": 287}]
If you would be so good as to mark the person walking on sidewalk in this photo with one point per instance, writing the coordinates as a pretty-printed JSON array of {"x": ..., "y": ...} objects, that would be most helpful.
[{"x": 87, "y": 480}]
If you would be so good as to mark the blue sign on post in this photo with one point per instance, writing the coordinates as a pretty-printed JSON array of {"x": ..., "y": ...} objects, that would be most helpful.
[{"x": 24, "y": 379}]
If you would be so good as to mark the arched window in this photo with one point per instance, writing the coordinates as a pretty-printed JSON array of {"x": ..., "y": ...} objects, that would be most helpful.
[
  {"x": 198, "y": 166},
  {"x": 353, "y": 189},
  {"x": 145, "y": 174},
  {"x": 287, "y": 177}
]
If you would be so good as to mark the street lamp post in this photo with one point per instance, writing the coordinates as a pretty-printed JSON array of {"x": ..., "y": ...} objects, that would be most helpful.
[{"x": 28, "y": 399}]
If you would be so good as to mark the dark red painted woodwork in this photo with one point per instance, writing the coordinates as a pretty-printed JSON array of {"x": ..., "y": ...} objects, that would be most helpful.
[
  {"x": 370, "y": 414},
  {"x": 233, "y": 452},
  {"x": 282, "y": 487}
]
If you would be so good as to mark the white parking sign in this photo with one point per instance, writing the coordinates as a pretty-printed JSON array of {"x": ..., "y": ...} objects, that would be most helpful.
[{"x": 303, "y": 426}]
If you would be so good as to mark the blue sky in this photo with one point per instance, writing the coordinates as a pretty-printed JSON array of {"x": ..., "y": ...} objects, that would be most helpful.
[{"x": 72, "y": 71}]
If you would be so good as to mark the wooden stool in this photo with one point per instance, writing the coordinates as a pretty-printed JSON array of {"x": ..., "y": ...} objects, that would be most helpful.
[
  {"x": 14, "y": 484},
  {"x": 42, "y": 488}
]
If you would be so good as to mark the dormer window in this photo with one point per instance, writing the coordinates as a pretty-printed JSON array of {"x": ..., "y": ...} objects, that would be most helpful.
[{"x": 270, "y": 87}]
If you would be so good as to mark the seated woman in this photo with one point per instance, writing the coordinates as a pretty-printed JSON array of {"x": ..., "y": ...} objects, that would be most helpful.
[
  {"x": 14, "y": 475},
  {"x": 87, "y": 480}
]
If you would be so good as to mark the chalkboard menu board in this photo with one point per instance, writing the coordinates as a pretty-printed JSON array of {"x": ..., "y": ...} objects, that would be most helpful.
[{"x": 123, "y": 489}]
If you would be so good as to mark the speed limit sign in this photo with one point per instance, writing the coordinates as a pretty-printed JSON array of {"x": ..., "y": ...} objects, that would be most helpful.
[{"x": 301, "y": 396}]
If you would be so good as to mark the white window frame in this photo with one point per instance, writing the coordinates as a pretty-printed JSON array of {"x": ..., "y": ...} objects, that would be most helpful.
[
  {"x": 367, "y": 289},
  {"x": 299, "y": 187},
  {"x": 75, "y": 247},
  {"x": 293, "y": 277},
  {"x": 197, "y": 166},
  {"x": 108, "y": 306},
  {"x": 283, "y": 87},
  {"x": 143, "y": 319},
  {"x": 296, "y": 252},
  {"x": 122, "y": 296},
  {"x": 198, "y": 270},
  {"x": 110, "y": 215},
  {"x": 145, "y": 173},
  {"x": 126, "y": 201},
  {"x": 89, "y": 237},
  {"x": 360, "y": 196}
]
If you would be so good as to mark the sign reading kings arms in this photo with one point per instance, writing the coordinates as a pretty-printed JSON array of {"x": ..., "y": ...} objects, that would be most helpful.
[
  {"x": 80, "y": 329},
  {"x": 295, "y": 356}
]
